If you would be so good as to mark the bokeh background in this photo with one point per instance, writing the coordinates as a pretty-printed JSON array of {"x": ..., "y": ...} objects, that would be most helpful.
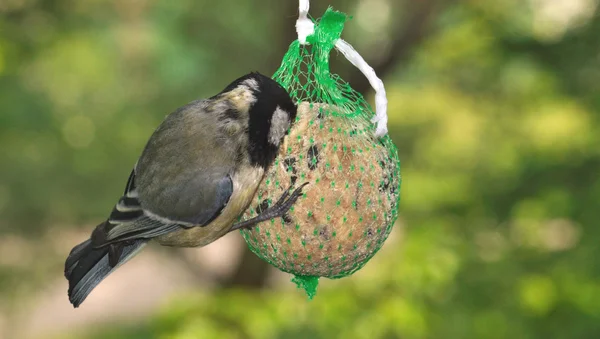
[{"x": 494, "y": 109}]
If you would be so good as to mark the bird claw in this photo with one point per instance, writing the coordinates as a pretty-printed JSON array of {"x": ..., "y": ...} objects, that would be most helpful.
[{"x": 282, "y": 206}]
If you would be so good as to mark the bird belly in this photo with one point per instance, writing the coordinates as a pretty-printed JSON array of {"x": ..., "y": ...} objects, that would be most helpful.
[{"x": 245, "y": 184}]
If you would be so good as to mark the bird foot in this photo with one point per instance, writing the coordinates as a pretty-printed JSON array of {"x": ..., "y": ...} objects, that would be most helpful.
[{"x": 279, "y": 209}]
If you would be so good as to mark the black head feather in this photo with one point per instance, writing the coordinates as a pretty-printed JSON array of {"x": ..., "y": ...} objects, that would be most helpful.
[{"x": 269, "y": 95}]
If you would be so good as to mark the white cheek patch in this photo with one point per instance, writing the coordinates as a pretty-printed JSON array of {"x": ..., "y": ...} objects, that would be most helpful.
[{"x": 280, "y": 122}]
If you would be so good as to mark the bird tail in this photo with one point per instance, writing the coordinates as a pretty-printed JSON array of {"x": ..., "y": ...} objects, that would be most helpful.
[{"x": 87, "y": 266}]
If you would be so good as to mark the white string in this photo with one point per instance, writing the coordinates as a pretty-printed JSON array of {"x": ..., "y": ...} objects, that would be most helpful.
[
  {"x": 381, "y": 102},
  {"x": 305, "y": 27}
]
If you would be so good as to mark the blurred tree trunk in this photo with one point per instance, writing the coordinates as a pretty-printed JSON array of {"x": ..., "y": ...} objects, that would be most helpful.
[{"x": 251, "y": 272}]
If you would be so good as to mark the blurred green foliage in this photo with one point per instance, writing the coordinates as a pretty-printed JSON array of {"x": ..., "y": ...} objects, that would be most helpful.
[{"x": 495, "y": 116}]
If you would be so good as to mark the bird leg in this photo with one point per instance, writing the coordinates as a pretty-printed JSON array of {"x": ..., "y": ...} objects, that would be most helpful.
[{"x": 279, "y": 209}]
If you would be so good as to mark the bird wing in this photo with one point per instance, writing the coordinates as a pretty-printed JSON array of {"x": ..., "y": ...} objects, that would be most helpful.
[
  {"x": 182, "y": 178},
  {"x": 129, "y": 220}
]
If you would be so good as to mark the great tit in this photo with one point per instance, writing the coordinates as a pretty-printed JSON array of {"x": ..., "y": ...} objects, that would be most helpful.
[{"x": 195, "y": 177}]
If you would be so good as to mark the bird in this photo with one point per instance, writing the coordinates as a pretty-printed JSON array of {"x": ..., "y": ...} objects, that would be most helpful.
[{"x": 196, "y": 175}]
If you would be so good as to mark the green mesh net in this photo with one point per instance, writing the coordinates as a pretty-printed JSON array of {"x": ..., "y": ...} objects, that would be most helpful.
[{"x": 350, "y": 205}]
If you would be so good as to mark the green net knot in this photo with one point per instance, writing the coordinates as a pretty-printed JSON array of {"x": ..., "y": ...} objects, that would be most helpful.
[
  {"x": 307, "y": 283},
  {"x": 329, "y": 30}
]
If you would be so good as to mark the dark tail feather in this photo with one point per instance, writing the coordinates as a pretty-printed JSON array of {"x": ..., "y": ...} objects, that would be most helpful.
[{"x": 87, "y": 266}]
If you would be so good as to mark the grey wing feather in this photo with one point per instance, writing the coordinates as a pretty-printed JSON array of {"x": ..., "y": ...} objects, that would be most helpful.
[
  {"x": 129, "y": 221},
  {"x": 207, "y": 207},
  {"x": 140, "y": 228}
]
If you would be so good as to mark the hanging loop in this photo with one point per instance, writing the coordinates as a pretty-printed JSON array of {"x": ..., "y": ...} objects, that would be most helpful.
[
  {"x": 381, "y": 102},
  {"x": 305, "y": 27}
]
